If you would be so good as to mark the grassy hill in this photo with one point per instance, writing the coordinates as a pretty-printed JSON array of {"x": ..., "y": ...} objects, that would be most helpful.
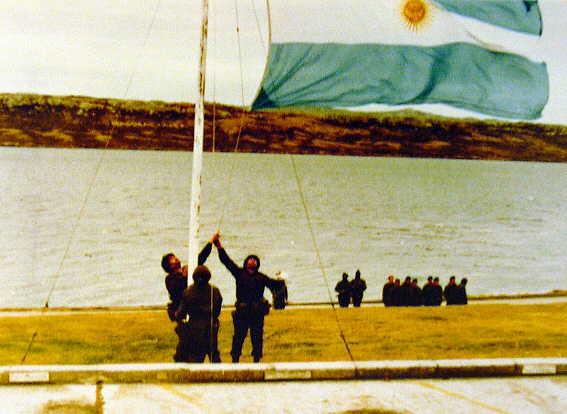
[{"x": 83, "y": 122}]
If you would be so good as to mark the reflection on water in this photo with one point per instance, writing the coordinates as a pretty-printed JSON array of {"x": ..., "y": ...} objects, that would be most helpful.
[{"x": 501, "y": 224}]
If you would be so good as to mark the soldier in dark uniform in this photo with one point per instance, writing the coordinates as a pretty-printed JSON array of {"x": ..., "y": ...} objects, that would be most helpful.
[
  {"x": 437, "y": 292},
  {"x": 343, "y": 290},
  {"x": 405, "y": 292},
  {"x": 176, "y": 280},
  {"x": 428, "y": 292},
  {"x": 357, "y": 288},
  {"x": 202, "y": 302},
  {"x": 416, "y": 295},
  {"x": 461, "y": 293},
  {"x": 387, "y": 291},
  {"x": 250, "y": 306},
  {"x": 450, "y": 292},
  {"x": 396, "y": 293}
]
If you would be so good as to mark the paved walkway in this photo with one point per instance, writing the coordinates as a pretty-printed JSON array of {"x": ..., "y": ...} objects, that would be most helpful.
[{"x": 534, "y": 385}]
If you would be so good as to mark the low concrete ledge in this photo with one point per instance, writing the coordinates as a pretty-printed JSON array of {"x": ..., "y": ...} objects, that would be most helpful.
[{"x": 300, "y": 371}]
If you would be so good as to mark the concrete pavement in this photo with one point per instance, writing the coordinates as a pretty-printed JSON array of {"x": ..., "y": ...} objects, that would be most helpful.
[
  {"x": 463, "y": 396},
  {"x": 532, "y": 385}
]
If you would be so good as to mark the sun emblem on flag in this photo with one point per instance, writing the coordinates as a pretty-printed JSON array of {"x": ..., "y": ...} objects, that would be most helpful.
[{"x": 415, "y": 13}]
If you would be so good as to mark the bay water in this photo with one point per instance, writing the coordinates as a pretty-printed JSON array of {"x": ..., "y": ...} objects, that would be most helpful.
[{"x": 89, "y": 227}]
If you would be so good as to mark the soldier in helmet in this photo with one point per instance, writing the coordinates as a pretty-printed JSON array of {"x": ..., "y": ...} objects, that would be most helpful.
[
  {"x": 176, "y": 278},
  {"x": 343, "y": 290},
  {"x": 176, "y": 281},
  {"x": 357, "y": 288},
  {"x": 251, "y": 307},
  {"x": 387, "y": 291},
  {"x": 199, "y": 335},
  {"x": 437, "y": 292},
  {"x": 428, "y": 292},
  {"x": 450, "y": 292},
  {"x": 461, "y": 293}
]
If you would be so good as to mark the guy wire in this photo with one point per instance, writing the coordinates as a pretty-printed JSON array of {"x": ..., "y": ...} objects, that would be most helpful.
[
  {"x": 89, "y": 189},
  {"x": 319, "y": 261}
]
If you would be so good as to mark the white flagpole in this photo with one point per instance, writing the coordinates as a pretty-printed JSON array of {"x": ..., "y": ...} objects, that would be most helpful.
[{"x": 198, "y": 145}]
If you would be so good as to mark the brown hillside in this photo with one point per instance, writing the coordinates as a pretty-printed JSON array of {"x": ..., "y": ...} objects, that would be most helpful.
[{"x": 82, "y": 122}]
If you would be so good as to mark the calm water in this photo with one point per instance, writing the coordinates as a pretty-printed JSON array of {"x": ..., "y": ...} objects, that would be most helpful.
[{"x": 501, "y": 224}]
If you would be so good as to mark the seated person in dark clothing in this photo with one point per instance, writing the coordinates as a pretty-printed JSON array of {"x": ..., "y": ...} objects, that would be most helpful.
[
  {"x": 198, "y": 337},
  {"x": 279, "y": 296},
  {"x": 450, "y": 292},
  {"x": 250, "y": 306},
  {"x": 461, "y": 293},
  {"x": 343, "y": 290},
  {"x": 357, "y": 288},
  {"x": 387, "y": 291}
]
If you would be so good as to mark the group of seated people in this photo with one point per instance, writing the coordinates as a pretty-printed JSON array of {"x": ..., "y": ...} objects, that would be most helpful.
[{"x": 410, "y": 294}]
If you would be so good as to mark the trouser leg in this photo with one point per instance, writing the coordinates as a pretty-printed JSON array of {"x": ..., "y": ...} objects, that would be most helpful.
[
  {"x": 196, "y": 357},
  {"x": 181, "y": 354},
  {"x": 213, "y": 352},
  {"x": 257, "y": 337},
  {"x": 240, "y": 330},
  {"x": 214, "y": 356}
]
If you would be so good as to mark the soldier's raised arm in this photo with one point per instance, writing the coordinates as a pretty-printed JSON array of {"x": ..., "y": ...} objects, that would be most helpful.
[{"x": 225, "y": 259}]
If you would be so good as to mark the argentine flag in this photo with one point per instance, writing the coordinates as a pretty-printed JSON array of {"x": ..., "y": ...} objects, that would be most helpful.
[{"x": 468, "y": 54}]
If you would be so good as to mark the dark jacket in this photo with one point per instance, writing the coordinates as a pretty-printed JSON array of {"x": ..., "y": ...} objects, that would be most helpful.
[
  {"x": 428, "y": 294},
  {"x": 176, "y": 283},
  {"x": 357, "y": 288},
  {"x": 405, "y": 294},
  {"x": 415, "y": 296},
  {"x": 387, "y": 291},
  {"x": 196, "y": 302},
  {"x": 437, "y": 295},
  {"x": 343, "y": 290},
  {"x": 461, "y": 295},
  {"x": 199, "y": 336},
  {"x": 450, "y": 293},
  {"x": 396, "y": 295},
  {"x": 249, "y": 287}
]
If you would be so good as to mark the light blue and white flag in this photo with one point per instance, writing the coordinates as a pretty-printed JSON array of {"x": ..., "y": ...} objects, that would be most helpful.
[{"x": 347, "y": 53}]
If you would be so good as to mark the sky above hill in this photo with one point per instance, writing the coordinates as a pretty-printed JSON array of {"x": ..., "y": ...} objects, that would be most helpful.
[{"x": 148, "y": 49}]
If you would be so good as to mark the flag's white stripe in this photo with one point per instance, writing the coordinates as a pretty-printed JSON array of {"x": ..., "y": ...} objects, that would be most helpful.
[{"x": 381, "y": 22}]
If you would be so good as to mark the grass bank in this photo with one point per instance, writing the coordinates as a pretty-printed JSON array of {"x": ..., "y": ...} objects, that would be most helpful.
[{"x": 373, "y": 333}]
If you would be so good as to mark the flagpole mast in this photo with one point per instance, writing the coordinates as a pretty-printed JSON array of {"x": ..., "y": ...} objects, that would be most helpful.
[{"x": 198, "y": 144}]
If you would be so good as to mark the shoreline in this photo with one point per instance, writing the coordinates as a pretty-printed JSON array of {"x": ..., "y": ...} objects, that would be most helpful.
[
  {"x": 519, "y": 298},
  {"x": 32, "y": 120}
]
